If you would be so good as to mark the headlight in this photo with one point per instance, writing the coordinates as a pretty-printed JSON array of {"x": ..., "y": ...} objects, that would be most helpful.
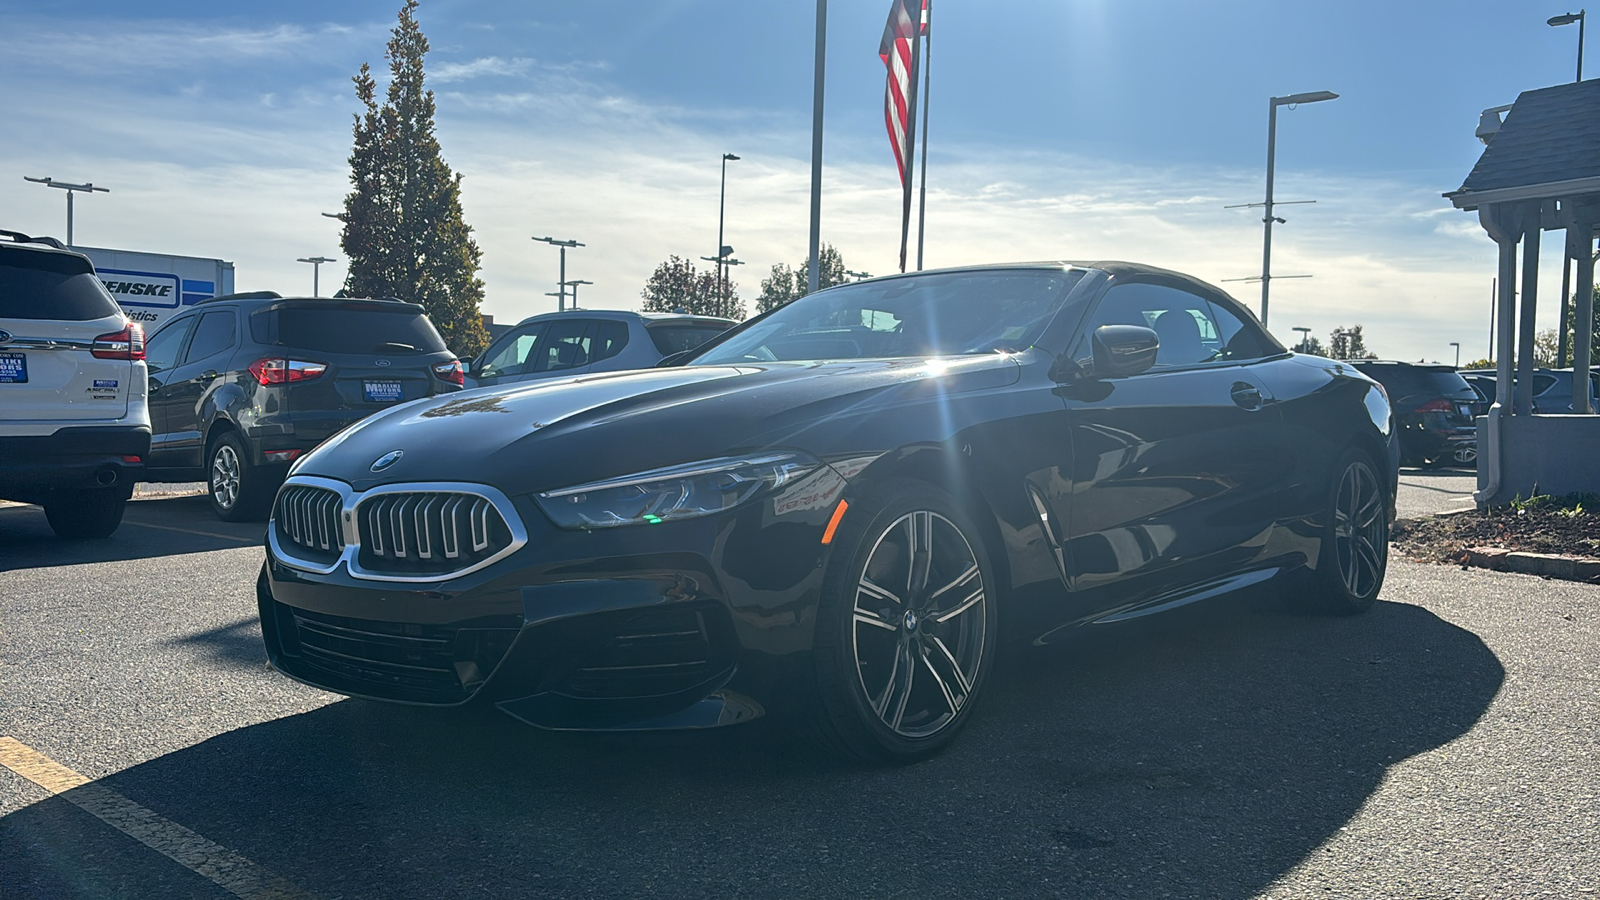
[{"x": 677, "y": 492}]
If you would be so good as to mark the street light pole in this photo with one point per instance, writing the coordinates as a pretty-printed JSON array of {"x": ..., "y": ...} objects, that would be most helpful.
[
  {"x": 87, "y": 187},
  {"x": 1305, "y": 337},
  {"x": 574, "y": 284},
  {"x": 1272, "y": 145},
  {"x": 1457, "y": 345},
  {"x": 1568, "y": 19},
  {"x": 316, "y": 270},
  {"x": 561, "y": 304},
  {"x": 722, "y": 209}
]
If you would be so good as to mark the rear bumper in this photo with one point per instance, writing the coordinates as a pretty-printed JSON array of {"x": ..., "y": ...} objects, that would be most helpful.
[{"x": 97, "y": 457}]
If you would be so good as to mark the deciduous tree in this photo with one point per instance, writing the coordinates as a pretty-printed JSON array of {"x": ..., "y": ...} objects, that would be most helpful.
[
  {"x": 676, "y": 285},
  {"x": 1349, "y": 343},
  {"x": 786, "y": 285},
  {"x": 404, "y": 235}
]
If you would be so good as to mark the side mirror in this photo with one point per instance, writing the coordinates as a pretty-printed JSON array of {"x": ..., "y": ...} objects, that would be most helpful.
[
  {"x": 467, "y": 366},
  {"x": 1123, "y": 349}
]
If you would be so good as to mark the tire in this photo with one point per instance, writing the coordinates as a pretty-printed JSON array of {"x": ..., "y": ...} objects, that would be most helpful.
[
  {"x": 904, "y": 643},
  {"x": 85, "y": 514},
  {"x": 238, "y": 489},
  {"x": 1355, "y": 538}
]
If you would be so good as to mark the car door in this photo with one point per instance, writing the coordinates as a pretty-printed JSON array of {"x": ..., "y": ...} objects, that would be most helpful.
[
  {"x": 563, "y": 350},
  {"x": 161, "y": 354},
  {"x": 506, "y": 360},
  {"x": 205, "y": 358},
  {"x": 1170, "y": 467}
]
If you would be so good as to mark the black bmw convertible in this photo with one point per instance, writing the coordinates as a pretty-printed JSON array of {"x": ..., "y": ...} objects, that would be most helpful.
[{"x": 836, "y": 510}]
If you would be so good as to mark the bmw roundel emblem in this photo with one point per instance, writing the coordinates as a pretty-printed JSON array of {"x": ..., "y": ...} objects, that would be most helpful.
[
  {"x": 4, "y": 336},
  {"x": 387, "y": 460}
]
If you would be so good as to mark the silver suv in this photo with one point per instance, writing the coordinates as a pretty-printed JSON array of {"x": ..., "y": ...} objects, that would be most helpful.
[{"x": 74, "y": 427}]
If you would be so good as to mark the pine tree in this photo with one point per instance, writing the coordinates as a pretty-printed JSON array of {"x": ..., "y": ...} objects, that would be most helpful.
[{"x": 404, "y": 235}]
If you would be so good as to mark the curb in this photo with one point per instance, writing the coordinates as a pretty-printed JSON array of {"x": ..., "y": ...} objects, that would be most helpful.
[{"x": 1548, "y": 565}]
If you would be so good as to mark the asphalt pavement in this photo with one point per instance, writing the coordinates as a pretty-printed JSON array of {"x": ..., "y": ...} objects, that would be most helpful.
[
  {"x": 1427, "y": 492},
  {"x": 1446, "y": 744}
]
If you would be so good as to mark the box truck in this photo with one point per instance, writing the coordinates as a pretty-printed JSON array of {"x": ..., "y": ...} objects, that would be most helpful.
[{"x": 152, "y": 287}]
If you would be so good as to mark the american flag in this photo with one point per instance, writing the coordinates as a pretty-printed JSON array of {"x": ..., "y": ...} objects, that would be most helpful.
[{"x": 897, "y": 51}]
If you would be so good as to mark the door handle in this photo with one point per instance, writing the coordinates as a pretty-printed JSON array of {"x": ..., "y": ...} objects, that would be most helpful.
[
  {"x": 1246, "y": 396},
  {"x": 208, "y": 375}
]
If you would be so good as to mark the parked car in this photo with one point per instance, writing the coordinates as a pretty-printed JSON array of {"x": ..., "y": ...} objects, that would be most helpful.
[
  {"x": 832, "y": 508},
  {"x": 582, "y": 341},
  {"x": 1552, "y": 388},
  {"x": 74, "y": 428},
  {"x": 1434, "y": 409},
  {"x": 241, "y": 385}
]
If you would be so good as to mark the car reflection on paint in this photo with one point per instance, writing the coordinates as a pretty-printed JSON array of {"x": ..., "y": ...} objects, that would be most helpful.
[{"x": 831, "y": 510}]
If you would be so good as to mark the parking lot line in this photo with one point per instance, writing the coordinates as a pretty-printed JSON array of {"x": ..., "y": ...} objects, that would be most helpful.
[
  {"x": 228, "y": 870},
  {"x": 226, "y": 537}
]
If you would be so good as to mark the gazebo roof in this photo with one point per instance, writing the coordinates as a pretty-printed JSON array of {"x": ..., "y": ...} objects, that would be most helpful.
[{"x": 1548, "y": 148}]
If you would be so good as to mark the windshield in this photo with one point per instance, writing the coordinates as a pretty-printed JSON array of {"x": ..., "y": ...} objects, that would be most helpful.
[{"x": 948, "y": 314}]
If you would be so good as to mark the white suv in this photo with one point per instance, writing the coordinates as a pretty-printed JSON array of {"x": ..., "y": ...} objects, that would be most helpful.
[{"x": 74, "y": 427}]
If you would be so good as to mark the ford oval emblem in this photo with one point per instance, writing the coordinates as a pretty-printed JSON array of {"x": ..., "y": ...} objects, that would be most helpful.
[
  {"x": 4, "y": 336},
  {"x": 387, "y": 460},
  {"x": 382, "y": 363}
]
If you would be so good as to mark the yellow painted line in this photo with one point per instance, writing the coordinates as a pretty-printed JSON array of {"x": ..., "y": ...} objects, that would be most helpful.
[
  {"x": 226, "y": 537},
  {"x": 228, "y": 870}
]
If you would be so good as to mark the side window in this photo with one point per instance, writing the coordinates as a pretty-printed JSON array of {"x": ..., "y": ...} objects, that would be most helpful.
[
  {"x": 1183, "y": 321},
  {"x": 565, "y": 346},
  {"x": 1241, "y": 338},
  {"x": 213, "y": 335},
  {"x": 608, "y": 339},
  {"x": 510, "y": 357},
  {"x": 161, "y": 351}
]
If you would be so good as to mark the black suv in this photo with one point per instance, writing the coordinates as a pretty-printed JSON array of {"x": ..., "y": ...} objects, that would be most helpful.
[
  {"x": 241, "y": 385},
  {"x": 1433, "y": 411}
]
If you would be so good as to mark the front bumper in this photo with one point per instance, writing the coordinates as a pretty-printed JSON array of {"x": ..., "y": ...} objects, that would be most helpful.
[
  {"x": 689, "y": 624},
  {"x": 75, "y": 458}
]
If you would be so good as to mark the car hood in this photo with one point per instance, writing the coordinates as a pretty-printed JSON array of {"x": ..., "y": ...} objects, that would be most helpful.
[{"x": 549, "y": 434}]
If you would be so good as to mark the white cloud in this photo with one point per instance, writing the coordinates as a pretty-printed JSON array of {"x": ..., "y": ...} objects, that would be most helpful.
[{"x": 479, "y": 68}]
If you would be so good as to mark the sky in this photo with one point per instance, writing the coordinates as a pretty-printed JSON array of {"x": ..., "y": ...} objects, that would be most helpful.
[{"x": 1060, "y": 129}]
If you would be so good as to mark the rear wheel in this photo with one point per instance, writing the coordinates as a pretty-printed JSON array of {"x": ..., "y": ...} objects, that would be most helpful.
[
  {"x": 238, "y": 489},
  {"x": 1355, "y": 539},
  {"x": 906, "y": 627},
  {"x": 85, "y": 514}
]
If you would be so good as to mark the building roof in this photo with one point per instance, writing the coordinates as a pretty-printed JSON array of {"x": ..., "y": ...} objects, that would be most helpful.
[{"x": 1550, "y": 137}]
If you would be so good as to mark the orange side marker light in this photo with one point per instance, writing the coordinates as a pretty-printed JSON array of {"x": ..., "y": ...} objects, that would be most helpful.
[{"x": 833, "y": 523}]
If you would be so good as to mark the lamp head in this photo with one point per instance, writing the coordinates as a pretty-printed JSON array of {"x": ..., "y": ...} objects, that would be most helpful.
[
  {"x": 729, "y": 157},
  {"x": 1568, "y": 19},
  {"x": 1308, "y": 97}
]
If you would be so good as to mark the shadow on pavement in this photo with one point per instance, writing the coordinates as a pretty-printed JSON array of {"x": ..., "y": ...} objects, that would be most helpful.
[
  {"x": 1200, "y": 755},
  {"x": 168, "y": 526}
]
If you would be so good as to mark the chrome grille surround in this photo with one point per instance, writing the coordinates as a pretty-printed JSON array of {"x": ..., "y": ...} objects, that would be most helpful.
[{"x": 404, "y": 524}]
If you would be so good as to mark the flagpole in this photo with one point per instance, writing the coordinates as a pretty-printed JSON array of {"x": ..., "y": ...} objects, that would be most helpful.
[
  {"x": 911, "y": 143},
  {"x": 813, "y": 277},
  {"x": 927, "y": 69}
]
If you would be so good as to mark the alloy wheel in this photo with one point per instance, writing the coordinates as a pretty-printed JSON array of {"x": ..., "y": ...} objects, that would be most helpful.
[
  {"x": 225, "y": 476},
  {"x": 1359, "y": 528},
  {"x": 918, "y": 624}
]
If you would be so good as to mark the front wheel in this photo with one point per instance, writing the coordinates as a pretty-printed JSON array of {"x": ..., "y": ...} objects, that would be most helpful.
[
  {"x": 1355, "y": 539},
  {"x": 906, "y": 627}
]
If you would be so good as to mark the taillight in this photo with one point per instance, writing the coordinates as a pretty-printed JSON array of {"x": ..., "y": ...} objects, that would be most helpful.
[
  {"x": 1436, "y": 406},
  {"x": 451, "y": 372},
  {"x": 285, "y": 371},
  {"x": 125, "y": 344}
]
